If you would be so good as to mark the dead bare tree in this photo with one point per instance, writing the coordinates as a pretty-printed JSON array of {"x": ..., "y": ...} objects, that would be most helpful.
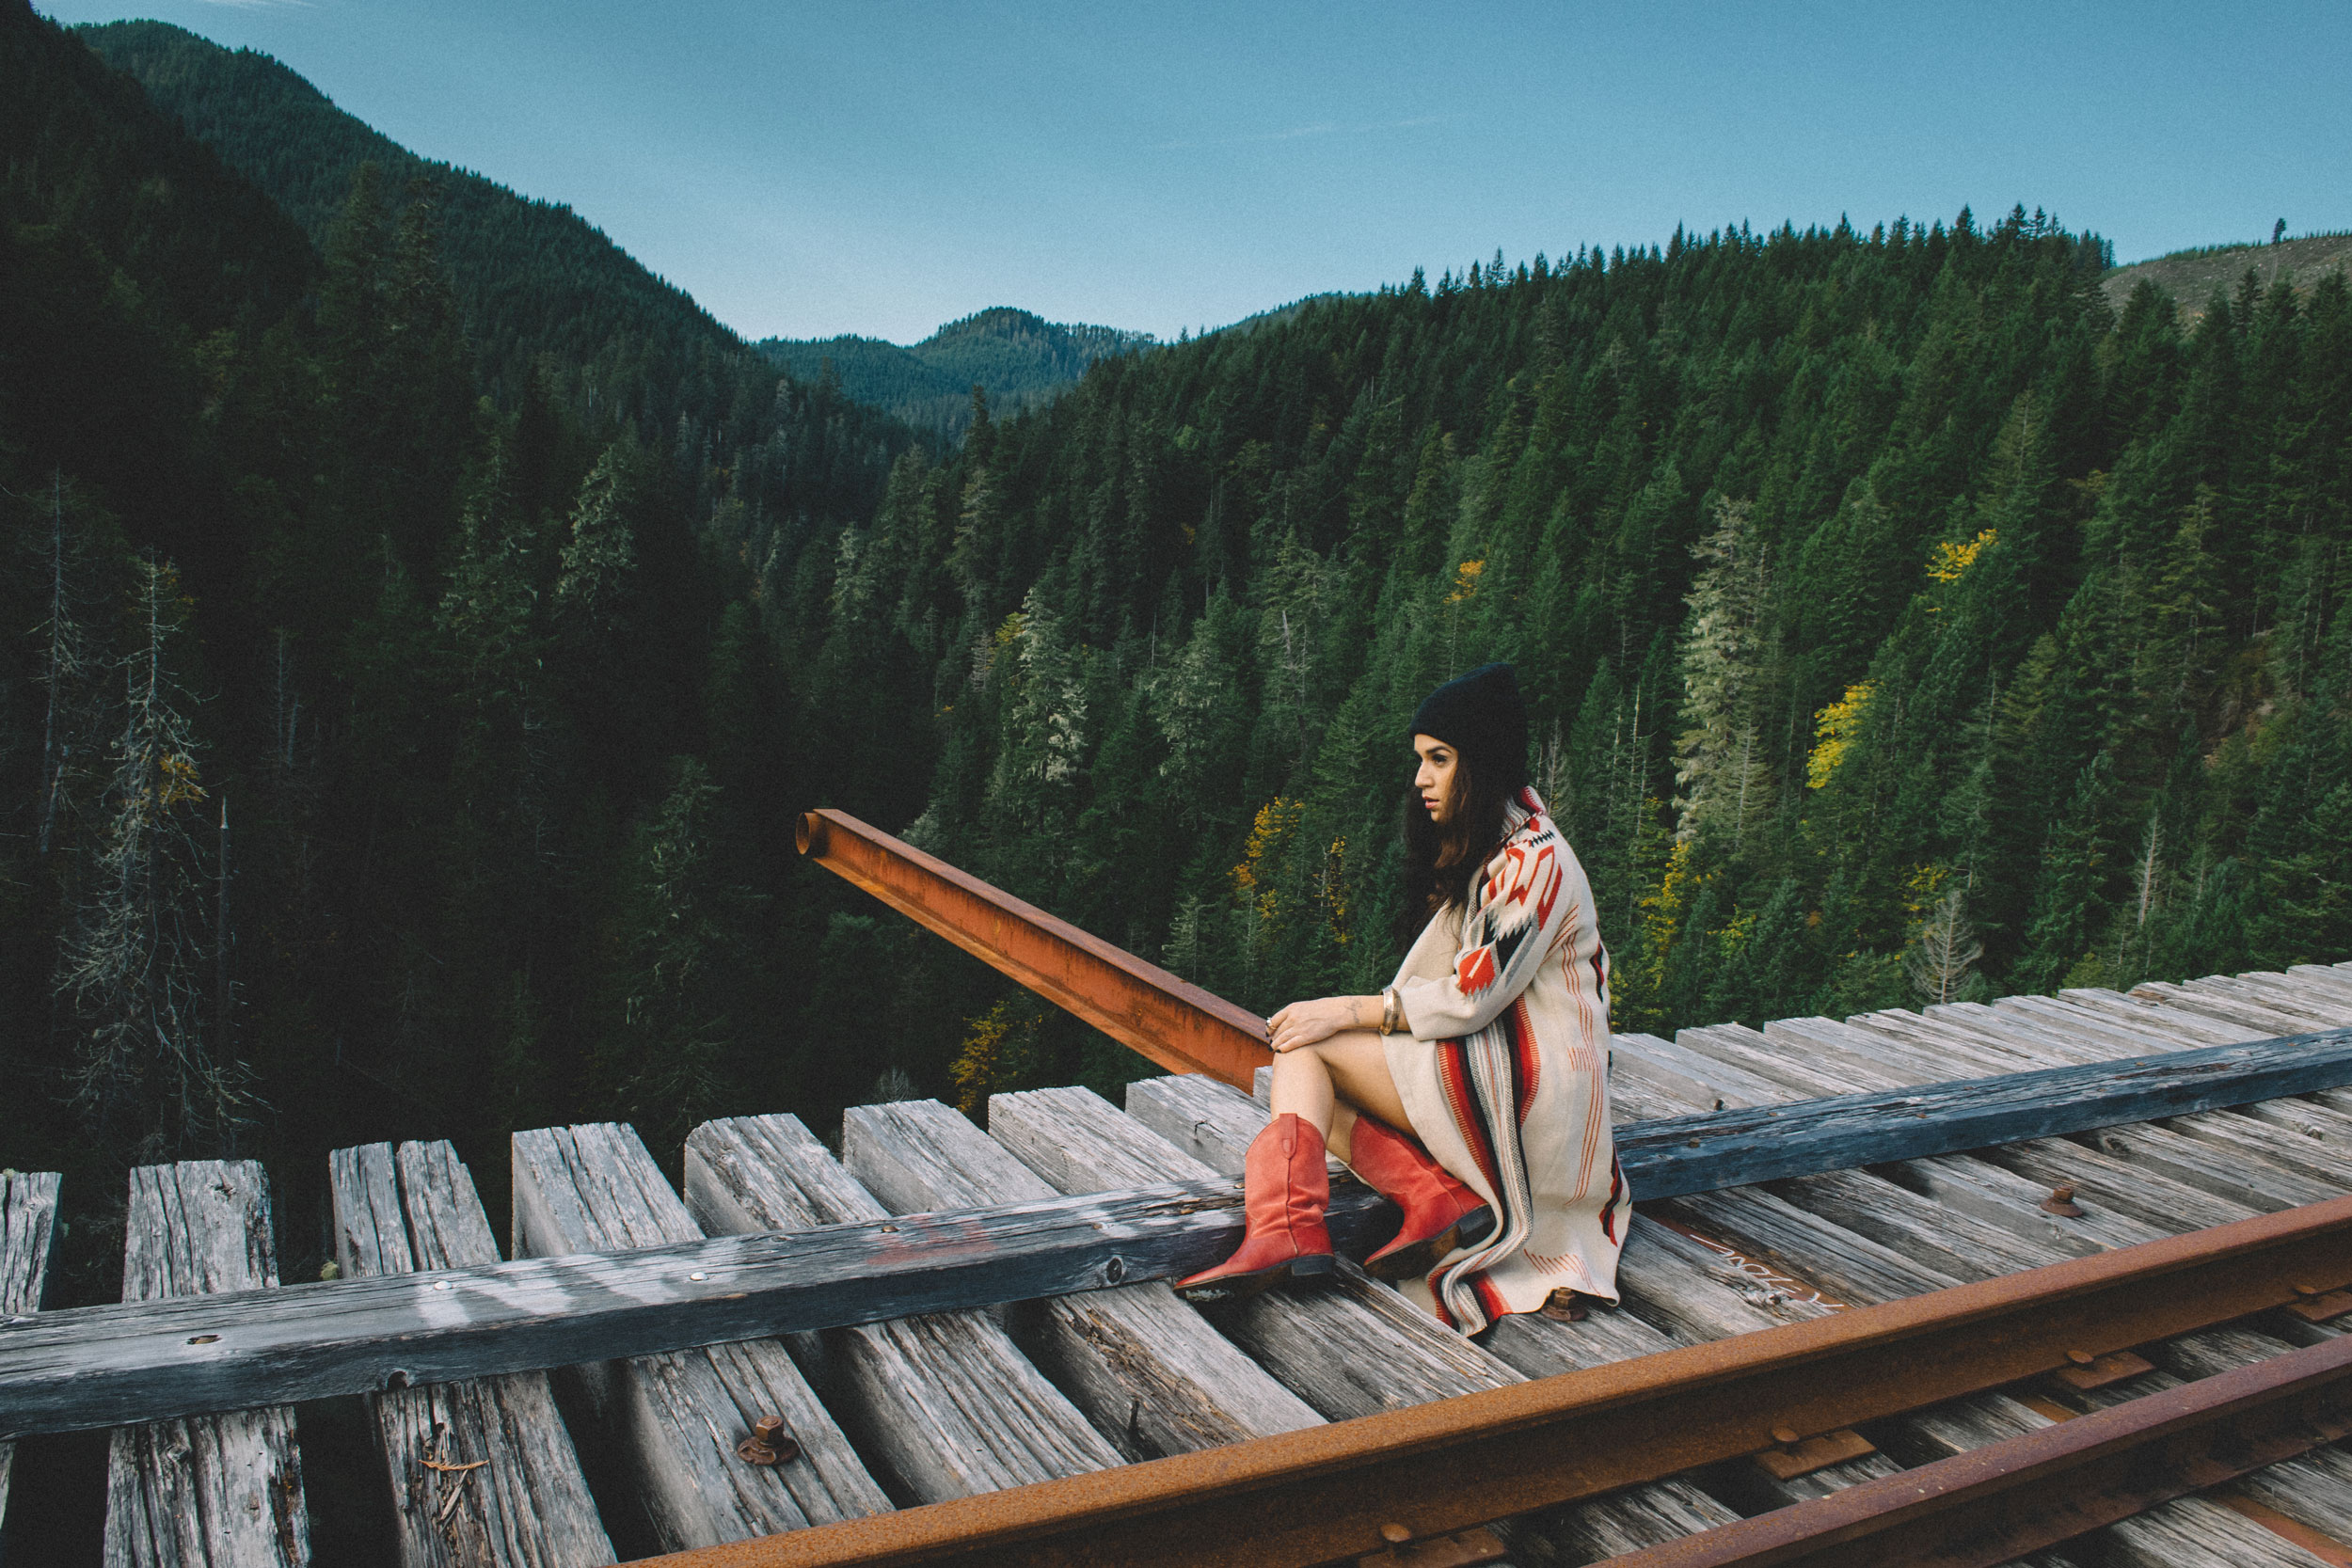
[
  {"x": 68, "y": 671},
  {"x": 1939, "y": 963}
]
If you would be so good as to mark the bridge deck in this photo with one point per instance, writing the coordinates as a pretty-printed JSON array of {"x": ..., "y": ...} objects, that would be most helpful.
[{"x": 915, "y": 1410}]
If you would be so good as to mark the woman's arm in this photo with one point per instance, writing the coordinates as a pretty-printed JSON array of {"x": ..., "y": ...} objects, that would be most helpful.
[
  {"x": 1307, "y": 1023},
  {"x": 1503, "y": 945}
]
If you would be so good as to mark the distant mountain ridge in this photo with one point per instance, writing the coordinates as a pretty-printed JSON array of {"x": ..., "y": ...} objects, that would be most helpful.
[{"x": 1019, "y": 358}]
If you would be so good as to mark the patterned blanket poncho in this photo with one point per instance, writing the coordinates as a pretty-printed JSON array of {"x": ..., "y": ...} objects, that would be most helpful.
[{"x": 1503, "y": 1069}]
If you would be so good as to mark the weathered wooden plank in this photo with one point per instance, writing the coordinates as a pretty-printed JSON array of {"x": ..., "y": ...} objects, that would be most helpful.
[
  {"x": 1539, "y": 1346},
  {"x": 2325, "y": 1007},
  {"x": 1965, "y": 1192},
  {"x": 1148, "y": 1370},
  {"x": 2103, "y": 1182},
  {"x": 2002, "y": 1198},
  {"x": 2050, "y": 1015},
  {"x": 2237, "y": 1156},
  {"x": 1735, "y": 1085},
  {"x": 2238, "y": 1169},
  {"x": 2179, "y": 1030},
  {"x": 2187, "y": 1533},
  {"x": 1943, "y": 1052},
  {"x": 1348, "y": 1348},
  {"x": 1823, "y": 1051},
  {"x": 2147, "y": 1010},
  {"x": 28, "y": 1215},
  {"x": 1696, "y": 1293},
  {"x": 2032, "y": 1037},
  {"x": 1631, "y": 1100},
  {"x": 1849, "y": 1267},
  {"x": 1077, "y": 1136},
  {"x": 521, "y": 1497},
  {"x": 920, "y": 1137},
  {"x": 946, "y": 1402},
  {"x": 2312, "y": 980},
  {"x": 2108, "y": 1185},
  {"x": 2325, "y": 1129},
  {"x": 2156, "y": 1027},
  {"x": 1075, "y": 1141},
  {"x": 1834, "y": 1053},
  {"x": 1206, "y": 1119},
  {"x": 1626, "y": 1521},
  {"x": 104, "y": 1366},
  {"x": 2314, "y": 1488},
  {"x": 2287, "y": 995},
  {"x": 2320, "y": 1117},
  {"x": 1647, "y": 1064},
  {"x": 2291, "y": 1137},
  {"x": 1934, "y": 1234},
  {"x": 675, "y": 1418},
  {"x": 1957, "y": 1215},
  {"x": 2332, "y": 981},
  {"x": 221, "y": 1491},
  {"x": 1736, "y": 1148},
  {"x": 2251, "y": 1015},
  {"x": 1823, "y": 1056},
  {"x": 1826, "y": 1232}
]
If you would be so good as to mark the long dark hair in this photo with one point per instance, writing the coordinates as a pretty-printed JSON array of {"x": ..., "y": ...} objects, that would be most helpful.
[{"x": 1441, "y": 860}]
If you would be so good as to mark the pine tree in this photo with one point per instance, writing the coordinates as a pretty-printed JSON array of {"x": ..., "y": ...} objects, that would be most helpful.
[
  {"x": 599, "y": 556},
  {"x": 1721, "y": 756},
  {"x": 679, "y": 954},
  {"x": 69, "y": 668},
  {"x": 146, "y": 1073}
]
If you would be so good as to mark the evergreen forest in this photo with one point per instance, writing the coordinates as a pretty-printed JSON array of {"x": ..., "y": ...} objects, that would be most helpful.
[{"x": 411, "y": 678}]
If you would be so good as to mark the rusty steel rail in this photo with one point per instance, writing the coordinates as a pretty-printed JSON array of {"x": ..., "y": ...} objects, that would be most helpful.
[
  {"x": 1141, "y": 1005},
  {"x": 1998, "y": 1503},
  {"x": 1356, "y": 1488}
]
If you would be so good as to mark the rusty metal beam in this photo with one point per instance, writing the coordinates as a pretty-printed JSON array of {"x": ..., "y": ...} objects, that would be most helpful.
[
  {"x": 1998, "y": 1503},
  {"x": 1347, "y": 1489},
  {"x": 1141, "y": 1005}
]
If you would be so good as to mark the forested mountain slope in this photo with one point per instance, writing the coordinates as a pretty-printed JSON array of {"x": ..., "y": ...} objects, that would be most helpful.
[
  {"x": 536, "y": 286},
  {"x": 1018, "y": 359},
  {"x": 381, "y": 755},
  {"x": 1871, "y": 590}
]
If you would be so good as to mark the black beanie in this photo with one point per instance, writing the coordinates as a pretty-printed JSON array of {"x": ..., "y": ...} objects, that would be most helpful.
[{"x": 1482, "y": 716}]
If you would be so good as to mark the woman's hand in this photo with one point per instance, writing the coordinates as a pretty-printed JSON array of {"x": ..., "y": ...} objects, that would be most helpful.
[{"x": 1307, "y": 1023}]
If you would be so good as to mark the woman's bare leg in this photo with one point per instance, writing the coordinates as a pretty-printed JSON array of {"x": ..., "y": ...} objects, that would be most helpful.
[{"x": 1330, "y": 1082}]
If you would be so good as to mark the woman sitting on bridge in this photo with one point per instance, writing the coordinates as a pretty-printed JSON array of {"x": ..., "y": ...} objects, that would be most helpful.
[{"x": 1473, "y": 1091}]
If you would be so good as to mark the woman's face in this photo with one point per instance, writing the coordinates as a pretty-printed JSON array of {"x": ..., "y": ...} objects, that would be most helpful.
[{"x": 1435, "y": 779}]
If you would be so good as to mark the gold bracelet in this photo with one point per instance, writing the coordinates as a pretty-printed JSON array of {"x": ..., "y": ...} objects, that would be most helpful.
[{"x": 1391, "y": 1007}]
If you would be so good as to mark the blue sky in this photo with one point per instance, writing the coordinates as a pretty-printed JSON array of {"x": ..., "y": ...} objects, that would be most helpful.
[{"x": 882, "y": 166}]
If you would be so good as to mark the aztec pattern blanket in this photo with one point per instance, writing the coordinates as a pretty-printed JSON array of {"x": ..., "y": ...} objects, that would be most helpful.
[{"x": 1503, "y": 1069}]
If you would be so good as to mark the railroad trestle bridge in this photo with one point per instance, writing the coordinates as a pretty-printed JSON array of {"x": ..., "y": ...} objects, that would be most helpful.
[{"x": 2057, "y": 1279}]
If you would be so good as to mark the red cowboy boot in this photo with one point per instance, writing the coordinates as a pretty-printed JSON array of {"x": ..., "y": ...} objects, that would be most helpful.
[
  {"x": 1440, "y": 1213},
  {"x": 1285, "y": 1190}
]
